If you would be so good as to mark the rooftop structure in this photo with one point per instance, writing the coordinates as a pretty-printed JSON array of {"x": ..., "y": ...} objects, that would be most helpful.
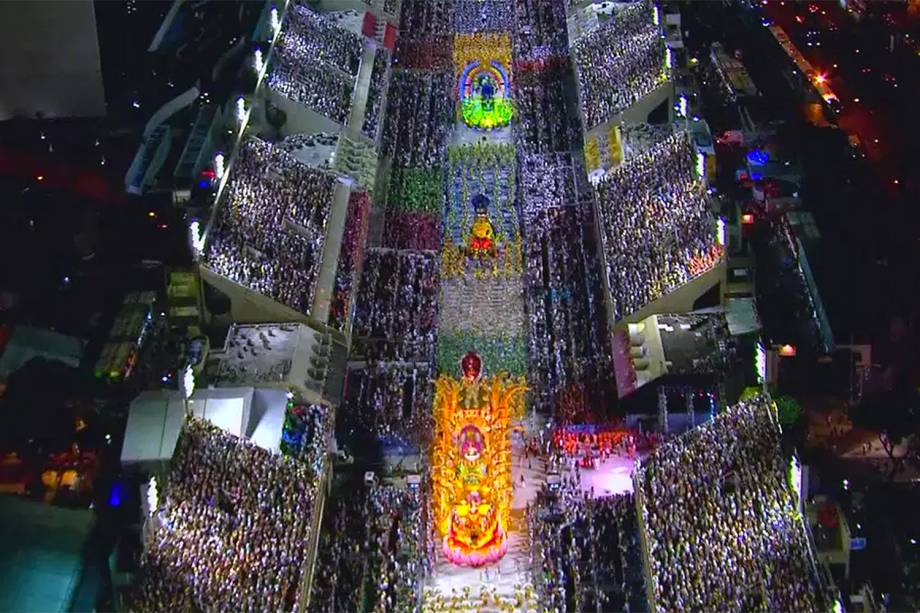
[
  {"x": 692, "y": 346},
  {"x": 28, "y": 343},
  {"x": 61, "y": 76},
  {"x": 43, "y": 556},
  {"x": 155, "y": 420},
  {"x": 277, "y": 355},
  {"x": 126, "y": 337},
  {"x": 734, "y": 75}
]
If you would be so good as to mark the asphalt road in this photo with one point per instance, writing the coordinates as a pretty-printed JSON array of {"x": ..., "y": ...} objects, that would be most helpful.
[{"x": 876, "y": 86}]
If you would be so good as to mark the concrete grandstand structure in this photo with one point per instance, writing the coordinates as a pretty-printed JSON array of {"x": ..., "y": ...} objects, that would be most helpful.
[
  {"x": 351, "y": 158},
  {"x": 609, "y": 116}
]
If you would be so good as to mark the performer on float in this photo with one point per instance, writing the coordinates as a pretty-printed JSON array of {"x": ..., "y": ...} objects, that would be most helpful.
[
  {"x": 472, "y": 463},
  {"x": 482, "y": 233}
]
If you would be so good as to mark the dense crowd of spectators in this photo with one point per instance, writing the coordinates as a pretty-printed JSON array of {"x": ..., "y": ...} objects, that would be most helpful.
[
  {"x": 325, "y": 91},
  {"x": 269, "y": 231},
  {"x": 433, "y": 52},
  {"x": 396, "y": 308},
  {"x": 390, "y": 7},
  {"x": 351, "y": 256},
  {"x": 419, "y": 18},
  {"x": 415, "y": 230},
  {"x": 619, "y": 62},
  {"x": 544, "y": 123},
  {"x": 317, "y": 38},
  {"x": 305, "y": 434},
  {"x": 379, "y": 76},
  {"x": 539, "y": 29},
  {"x": 315, "y": 63},
  {"x": 568, "y": 344},
  {"x": 656, "y": 223},
  {"x": 390, "y": 399},
  {"x": 549, "y": 181},
  {"x": 723, "y": 525},
  {"x": 482, "y": 16},
  {"x": 232, "y": 528},
  {"x": 586, "y": 550},
  {"x": 419, "y": 110},
  {"x": 373, "y": 554}
]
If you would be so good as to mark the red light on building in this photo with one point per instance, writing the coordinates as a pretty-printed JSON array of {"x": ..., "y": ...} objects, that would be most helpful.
[
  {"x": 747, "y": 218},
  {"x": 787, "y": 351}
]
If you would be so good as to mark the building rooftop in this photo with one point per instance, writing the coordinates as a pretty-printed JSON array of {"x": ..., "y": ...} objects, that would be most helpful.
[
  {"x": 28, "y": 343},
  {"x": 263, "y": 354},
  {"x": 671, "y": 345},
  {"x": 42, "y": 561},
  {"x": 155, "y": 419}
]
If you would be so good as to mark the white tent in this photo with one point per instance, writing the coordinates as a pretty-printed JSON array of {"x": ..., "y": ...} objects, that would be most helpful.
[{"x": 155, "y": 419}]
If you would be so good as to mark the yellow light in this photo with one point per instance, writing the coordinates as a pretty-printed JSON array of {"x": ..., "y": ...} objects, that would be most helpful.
[
  {"x": 820, "y": 79},
  {"x": 471, "y": 465}
]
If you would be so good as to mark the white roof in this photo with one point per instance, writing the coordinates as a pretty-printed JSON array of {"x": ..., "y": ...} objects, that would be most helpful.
[{"x": 155, "y": 419}]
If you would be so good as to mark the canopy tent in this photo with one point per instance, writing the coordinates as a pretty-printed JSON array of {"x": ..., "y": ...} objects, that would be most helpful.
[{"x": 155, "y": 419}]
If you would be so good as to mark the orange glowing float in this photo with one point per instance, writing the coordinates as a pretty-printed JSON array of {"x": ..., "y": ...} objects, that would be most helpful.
[{"x": 471, "y": 459}]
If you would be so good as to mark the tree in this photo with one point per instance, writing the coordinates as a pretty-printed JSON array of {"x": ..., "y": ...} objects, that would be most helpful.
[
  {"x": 789, "y": 410},
  {"x": 892, "y": 413}
]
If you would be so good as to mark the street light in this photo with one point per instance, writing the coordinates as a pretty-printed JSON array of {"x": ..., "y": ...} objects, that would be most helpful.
[
  {"x": 241, "y": 109},
  {"x": 219, "y": 166},
  {"x": 259, "y": 64},
  {"x": 275, "y": 22}
]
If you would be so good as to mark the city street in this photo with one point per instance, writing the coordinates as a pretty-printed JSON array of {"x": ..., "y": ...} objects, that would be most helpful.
[{"x": 872, "y": 83}]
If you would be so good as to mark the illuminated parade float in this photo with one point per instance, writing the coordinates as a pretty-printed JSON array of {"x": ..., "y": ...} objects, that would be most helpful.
[
  {"x": 484, "y": 83},
  {"x": 481, "y": 315},
  {"x": 471, "y": 454}
]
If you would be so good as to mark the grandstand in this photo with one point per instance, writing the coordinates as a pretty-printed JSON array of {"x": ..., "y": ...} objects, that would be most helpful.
[
  {"x": 631, "y": 84},
  {"x": 720, "y": 521},
  {"x": 216, "y": 507},
  {"x": 662, "y": 249},
  {"x": 268, "y": 237}
]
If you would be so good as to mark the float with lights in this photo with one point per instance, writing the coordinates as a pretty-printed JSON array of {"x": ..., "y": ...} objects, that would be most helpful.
[
  {"x": 484, "y": 82},
  {"x": 471, "y": 458}
]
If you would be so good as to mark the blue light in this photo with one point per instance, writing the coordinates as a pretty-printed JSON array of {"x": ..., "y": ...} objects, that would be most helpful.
[
  {"x": 115, "y": 494},
  {"x": 756, "y": 176},
  {"x": 758, "y": 156},
  {"x": 204, "y": 184}
]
